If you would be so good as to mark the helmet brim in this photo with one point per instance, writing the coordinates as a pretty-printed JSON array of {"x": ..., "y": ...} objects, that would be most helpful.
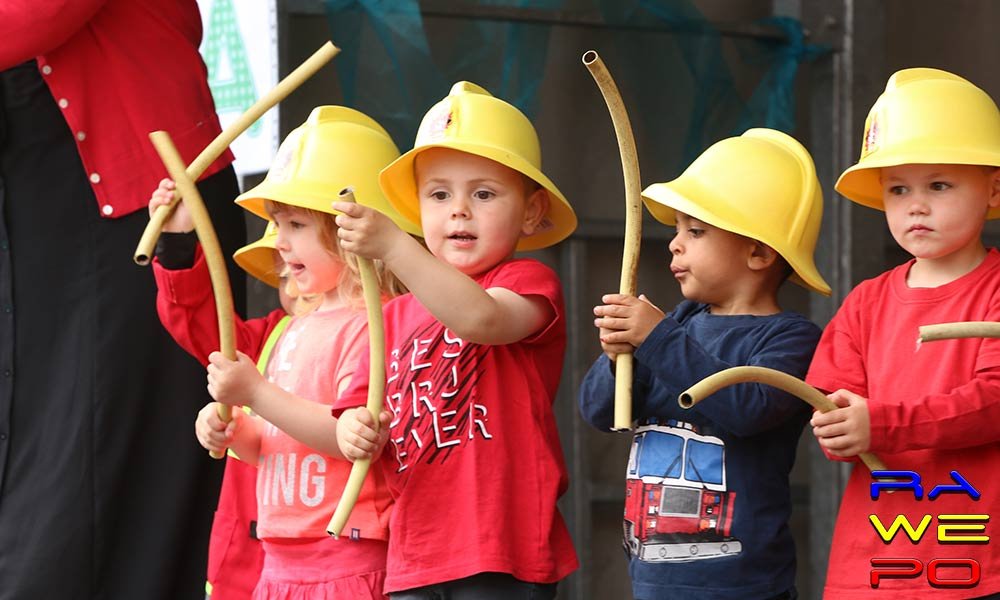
[
  {"x": 398, "y": 181},
  {"x": 862, "y": 185},
  {"x": 258, "y": 259},
  {"x": 664, "y": 200}
]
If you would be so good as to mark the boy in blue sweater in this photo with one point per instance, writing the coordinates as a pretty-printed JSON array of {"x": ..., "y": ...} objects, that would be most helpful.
[{"x": 707, "y": 497}]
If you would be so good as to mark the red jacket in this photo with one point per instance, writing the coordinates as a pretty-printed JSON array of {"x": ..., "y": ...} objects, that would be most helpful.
[
  {"x": 187, "y": 310},
  {"x": 114, "y": 88}
]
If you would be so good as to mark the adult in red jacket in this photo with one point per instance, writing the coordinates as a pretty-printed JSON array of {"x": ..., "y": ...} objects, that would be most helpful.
[{"x": 103, "y": 494}]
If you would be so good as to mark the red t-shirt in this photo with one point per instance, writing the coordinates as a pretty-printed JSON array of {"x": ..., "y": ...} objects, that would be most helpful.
[
  {"x": 119, "y": 69},
  {"x": 475, "y": 462},
  {"x": 934, "y": 409}
]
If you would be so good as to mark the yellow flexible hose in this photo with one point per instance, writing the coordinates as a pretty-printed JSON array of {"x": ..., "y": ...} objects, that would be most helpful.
[
  {"x": 633, "y": 223},
  {"x": 210, "y": 245},
  {"x": 144, "y": 249},
  {"x": 783, "y": 381},
  {"x": 963, "y": 329},
  {"x": 376, "y": 383}
]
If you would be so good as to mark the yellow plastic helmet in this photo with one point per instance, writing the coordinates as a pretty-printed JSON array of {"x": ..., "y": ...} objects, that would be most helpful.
[
  {"x": 337, "y": 147},
  {"x": 924, "y": 116},
  {"x": 471, "y": 120},
  {"x": 761, "y": 185},
  {"x": 258, "y": 258}
]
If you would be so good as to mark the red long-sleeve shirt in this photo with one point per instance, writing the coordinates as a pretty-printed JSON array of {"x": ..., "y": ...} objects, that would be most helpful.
[
  {"x": 934, "y": 409},
  {"x": 79, "y": 46},
  {"x": 187, "y": 310}
]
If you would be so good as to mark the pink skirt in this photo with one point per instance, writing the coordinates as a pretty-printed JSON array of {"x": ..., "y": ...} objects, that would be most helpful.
[{"x": 322, "y": 569}]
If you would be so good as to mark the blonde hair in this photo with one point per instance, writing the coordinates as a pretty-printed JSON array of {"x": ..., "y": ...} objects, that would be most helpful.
[{"x": 349, "y": 285}]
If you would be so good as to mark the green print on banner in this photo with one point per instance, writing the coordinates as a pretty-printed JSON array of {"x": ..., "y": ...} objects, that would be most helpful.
[{"x": 235, "y": 93}]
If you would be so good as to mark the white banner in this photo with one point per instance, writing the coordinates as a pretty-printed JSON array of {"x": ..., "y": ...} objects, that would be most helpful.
[{"x": 240, "y": 48}]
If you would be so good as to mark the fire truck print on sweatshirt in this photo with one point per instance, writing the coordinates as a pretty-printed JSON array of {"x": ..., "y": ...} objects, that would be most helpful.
[
  {"x": 677, "y": 506},
  {"x": 430, "y": 389}
]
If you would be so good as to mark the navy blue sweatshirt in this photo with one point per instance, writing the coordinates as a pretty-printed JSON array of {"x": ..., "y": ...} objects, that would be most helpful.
[{"x": 707, "y": 495}]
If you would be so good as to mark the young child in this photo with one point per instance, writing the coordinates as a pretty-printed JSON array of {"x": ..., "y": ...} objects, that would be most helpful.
[
  {"x": 292, "y": 440},
  {"x": 234, "y": 553},
  {"x": 929, "y": 160},
  {"x": 473, "y": 353},
  {"x": 707, "y": 497}
]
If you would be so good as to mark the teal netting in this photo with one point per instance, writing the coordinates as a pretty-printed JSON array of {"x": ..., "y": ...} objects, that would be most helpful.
[
  {"x": 391, "y": 69},
  {"x": 682, "y": 79}
]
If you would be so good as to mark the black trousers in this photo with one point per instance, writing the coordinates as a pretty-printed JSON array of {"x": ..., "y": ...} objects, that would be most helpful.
[{"x": 104, "y": 492}]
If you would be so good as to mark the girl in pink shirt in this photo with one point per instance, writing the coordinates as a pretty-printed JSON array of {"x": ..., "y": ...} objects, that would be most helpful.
[{"x": 292, "y": 437}]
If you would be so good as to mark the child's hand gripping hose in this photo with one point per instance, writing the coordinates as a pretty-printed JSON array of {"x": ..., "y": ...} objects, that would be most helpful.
[
  {"x": 144, "y": 250},
  {"x": 782, "y": 381},
  {"x": 633, "y": 223},
  {"x": 376, "y": 382},
  {"x": 210, "y": 245}
]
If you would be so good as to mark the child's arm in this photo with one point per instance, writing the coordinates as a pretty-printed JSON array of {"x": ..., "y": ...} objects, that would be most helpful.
[
  {"x": 484, "y": 316},
  {"x": 184, "y": 300},
  {"x": 186, "y": 308},
  {"x": 677, "y": 361},
  {"x": 906, "y": 417},
  {"x": 967, "y": 416},
  {"x": 356, "y": 434},
  {"x": 240, "y": 383},
  {"x": 597, "y": 392},
  {"x": 963, "y": 418}
]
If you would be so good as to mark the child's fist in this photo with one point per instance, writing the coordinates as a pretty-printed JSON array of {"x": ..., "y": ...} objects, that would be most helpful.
[
  {"x": 365, "y": 231},
  {"x": 624, "y": 322},
  {"x": 212, "y": 432},
  {"x": 845, "y": 431},
  {"x": 180, "y": 221},
  {"x": 356, "y": 435},
  {"x": 233, "y": 382}
]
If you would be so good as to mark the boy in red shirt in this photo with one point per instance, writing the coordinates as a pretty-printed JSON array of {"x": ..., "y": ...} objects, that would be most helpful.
[
  {"x": 473, "y": 358},
  {"x": 929, "y": 160}
]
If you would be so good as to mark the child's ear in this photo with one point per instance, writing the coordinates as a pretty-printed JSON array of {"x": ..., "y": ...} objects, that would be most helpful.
[
  {"x": 761, "y": 256},
  {"x": 994, "y": 200},
  {"x": 535, "y": 208}
]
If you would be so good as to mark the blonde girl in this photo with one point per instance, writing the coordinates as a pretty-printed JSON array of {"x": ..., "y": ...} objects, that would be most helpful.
[{"x": 291, "y": 436}]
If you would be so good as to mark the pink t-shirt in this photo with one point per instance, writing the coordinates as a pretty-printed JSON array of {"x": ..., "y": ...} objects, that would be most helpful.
[
  {"x": 297, "y": 487},
  {"x": 934, "y": 409},
  {"x": 475, "y": 462}
]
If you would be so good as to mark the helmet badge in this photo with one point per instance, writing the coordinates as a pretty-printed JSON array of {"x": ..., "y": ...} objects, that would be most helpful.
[
  {"x": 435, "y": 126},
  {"x": 871, "y": 137}
]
